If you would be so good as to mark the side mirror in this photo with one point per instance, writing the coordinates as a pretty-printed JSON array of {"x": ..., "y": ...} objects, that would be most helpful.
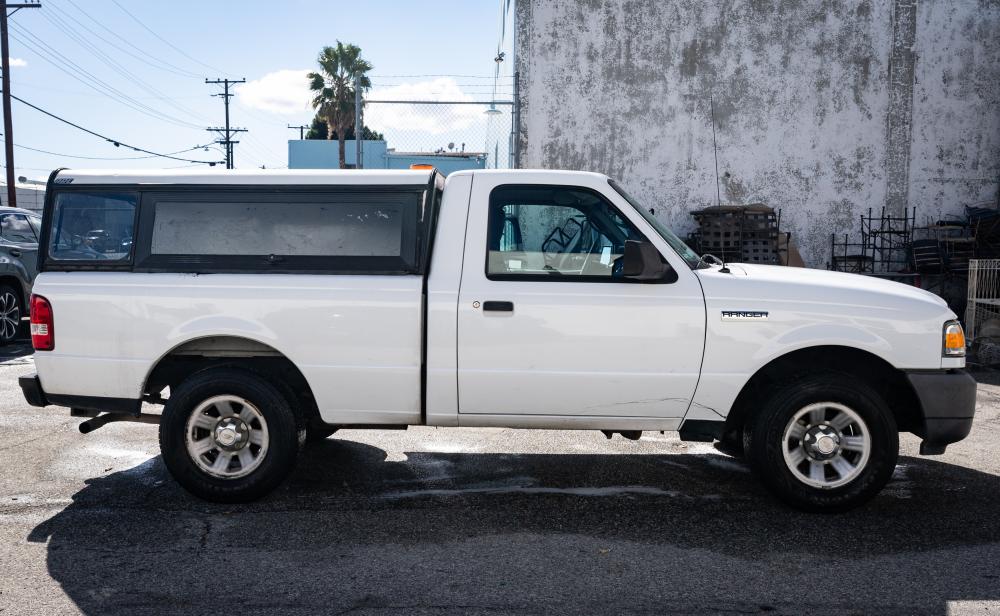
[{"x": 642, "y": 261}]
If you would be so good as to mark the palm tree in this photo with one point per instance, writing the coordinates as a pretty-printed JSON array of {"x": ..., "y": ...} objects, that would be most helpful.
[{"x": 333, "y": 89}]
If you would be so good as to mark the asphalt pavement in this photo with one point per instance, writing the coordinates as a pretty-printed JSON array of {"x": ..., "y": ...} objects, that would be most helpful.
[{"x": 482, "y": 521}]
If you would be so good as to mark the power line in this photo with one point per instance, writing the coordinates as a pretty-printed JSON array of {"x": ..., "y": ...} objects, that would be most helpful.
[
  {"x": 413, "y": 76},
  {"x": 81, "y": 40},
  {"x": 60, "y": 154},
  {"x": 144, "y": 57},
  {"x": 165, "y": 41},
  {"x": 61, "y": 61},
  {"x": 115, "y": 142}
]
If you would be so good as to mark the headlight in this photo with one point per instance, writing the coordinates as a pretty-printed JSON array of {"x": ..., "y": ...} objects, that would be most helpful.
[{"x": 954, "y": 340}]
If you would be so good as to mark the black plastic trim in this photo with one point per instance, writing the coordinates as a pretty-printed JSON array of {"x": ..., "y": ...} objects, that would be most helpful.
[
  {"x": 127, "y": 406},
  {"x": 414, "y": 248},
  {"x": 702, "y": 430},
  {"x": 31, "y": 386},
  {"x": 947, "y": 403}
]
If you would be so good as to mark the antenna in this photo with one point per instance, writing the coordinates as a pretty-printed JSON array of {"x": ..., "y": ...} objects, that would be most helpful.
[
  {"x": 715, "y": 151},
  {"x": 718, "y": 190}
]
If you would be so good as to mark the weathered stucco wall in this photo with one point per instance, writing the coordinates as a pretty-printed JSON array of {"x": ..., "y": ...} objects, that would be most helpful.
[{"x": 823, "y": 108}]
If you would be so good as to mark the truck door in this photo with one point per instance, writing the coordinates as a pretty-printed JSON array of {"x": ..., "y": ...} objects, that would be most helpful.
[{"x": 547, "y": 325}]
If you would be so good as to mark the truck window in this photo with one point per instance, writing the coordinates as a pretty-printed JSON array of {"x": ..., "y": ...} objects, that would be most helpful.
[
  {"x": 303, "y": 229},
  {"x": 15, "y": 228},
  {"x": 92, "y": 226},
  {"x": 547, "y": 232},
  {"x": 367, "y": 231}
]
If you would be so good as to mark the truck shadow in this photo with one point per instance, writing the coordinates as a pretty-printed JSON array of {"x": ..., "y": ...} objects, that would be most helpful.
[{"x": 352, "y": 529}]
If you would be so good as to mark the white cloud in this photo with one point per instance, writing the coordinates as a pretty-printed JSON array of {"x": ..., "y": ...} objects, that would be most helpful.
[
  {"x": 406, "y": 126},
  {"x": 284, "y": 92},
  {"x": 18, "y": 62}
]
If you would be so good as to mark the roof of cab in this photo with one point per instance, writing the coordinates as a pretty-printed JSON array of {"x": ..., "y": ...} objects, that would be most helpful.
[{"x": 245, "y": 176}]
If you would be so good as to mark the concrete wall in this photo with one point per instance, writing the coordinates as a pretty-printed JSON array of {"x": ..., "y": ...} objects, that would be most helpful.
[{"x": 823, "y": 108}]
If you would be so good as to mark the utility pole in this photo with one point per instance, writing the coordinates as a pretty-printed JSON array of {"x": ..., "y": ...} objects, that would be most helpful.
[
  {"x": 302, "y": 130},
  {"x": 226, "y": 132},
  {"x": 8, "y": 122}
]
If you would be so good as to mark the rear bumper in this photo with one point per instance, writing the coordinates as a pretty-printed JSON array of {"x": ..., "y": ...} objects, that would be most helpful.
[
  {"x": 31, "y": 386},
  {"x": 948, "y": 405},
  {"x": 32, "y": 389}
]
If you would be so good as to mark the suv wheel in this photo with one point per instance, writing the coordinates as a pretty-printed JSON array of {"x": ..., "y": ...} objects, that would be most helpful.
[
  {"x": 11, "y": 310},
  {"x": 228, "y": 435},
  {"x": 823, "y": 443}
]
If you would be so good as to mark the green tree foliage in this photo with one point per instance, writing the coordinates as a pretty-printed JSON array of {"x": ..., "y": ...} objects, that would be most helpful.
[
  {"x": 320, "y": 130},
  {"x": 333, "y": 89}
]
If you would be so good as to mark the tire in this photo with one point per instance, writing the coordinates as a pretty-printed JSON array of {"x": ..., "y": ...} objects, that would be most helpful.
[
  {"x": 731, "y": 443},
  {"x": 11, "y": 311},
  {"x": 798, "y": 425},
  {"x": 318, "y": 434},
  {"x": 232, "y": 456}
]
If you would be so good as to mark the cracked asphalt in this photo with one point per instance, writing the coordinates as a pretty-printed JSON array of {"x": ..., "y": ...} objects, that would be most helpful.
[{"x": 449, "y": 521}]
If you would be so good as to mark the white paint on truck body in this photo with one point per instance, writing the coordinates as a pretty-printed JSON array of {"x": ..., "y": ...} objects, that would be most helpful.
[
  {"x": 356, "y": 339},
  {"x": 611, "y": 355}
]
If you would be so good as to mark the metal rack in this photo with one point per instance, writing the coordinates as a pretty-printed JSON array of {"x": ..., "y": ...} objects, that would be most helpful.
[
  {"x": 883, "y": 248},
  {"x": 740, "y": 233}
]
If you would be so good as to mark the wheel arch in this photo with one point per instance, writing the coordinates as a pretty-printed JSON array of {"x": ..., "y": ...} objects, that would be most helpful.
[
  {"x": 207, "y": 351},
  {"x": 15, "y": 281},
  {"x": 887, "y": 380}
]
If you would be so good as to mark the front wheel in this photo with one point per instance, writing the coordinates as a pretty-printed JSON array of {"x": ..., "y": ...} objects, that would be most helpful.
[
  {"x": 228, "y": 435},
  {"x": 823, "y": 443}
]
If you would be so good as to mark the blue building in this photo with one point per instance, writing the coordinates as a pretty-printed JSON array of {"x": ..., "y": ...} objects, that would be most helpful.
[{"x": 323, "y": 154}]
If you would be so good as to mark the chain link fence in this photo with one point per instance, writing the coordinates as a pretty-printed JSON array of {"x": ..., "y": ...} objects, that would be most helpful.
[{"x": 451, "y": 135}]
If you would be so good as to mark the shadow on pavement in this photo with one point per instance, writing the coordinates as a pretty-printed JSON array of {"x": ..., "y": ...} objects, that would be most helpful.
[{"x": 504, "y": 533}]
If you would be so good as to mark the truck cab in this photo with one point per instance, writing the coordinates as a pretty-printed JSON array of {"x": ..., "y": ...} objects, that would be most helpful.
[{"x": 264, "y": 309}]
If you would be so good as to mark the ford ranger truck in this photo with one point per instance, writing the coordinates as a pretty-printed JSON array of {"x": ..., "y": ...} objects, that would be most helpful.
[{"x": 263, "y": 309}]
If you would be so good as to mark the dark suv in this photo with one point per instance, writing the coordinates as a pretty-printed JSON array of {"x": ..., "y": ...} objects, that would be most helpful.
[{"x": 19, "y": 232}]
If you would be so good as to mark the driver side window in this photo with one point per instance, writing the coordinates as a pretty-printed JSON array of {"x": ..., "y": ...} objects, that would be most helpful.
[{"x": 545, "y": 232}]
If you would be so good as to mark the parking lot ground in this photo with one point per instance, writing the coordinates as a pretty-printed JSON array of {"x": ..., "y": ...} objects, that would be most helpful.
[{"x": 448, "y": 521}]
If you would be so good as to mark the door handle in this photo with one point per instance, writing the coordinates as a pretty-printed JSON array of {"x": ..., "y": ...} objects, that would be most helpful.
[
  {"x": 498, "y": 306},
  {"x": 14, "y": 252}
]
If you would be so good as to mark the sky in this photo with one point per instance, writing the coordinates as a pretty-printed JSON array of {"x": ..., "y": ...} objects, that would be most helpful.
[{"x": 135, "y": 70}]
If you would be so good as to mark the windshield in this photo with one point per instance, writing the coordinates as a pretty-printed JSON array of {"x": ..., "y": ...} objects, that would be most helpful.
[{"x": 692, "y": 258}]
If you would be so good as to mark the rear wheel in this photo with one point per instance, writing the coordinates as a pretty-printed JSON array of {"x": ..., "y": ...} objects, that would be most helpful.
[
  {"x": 825, "y": 443},
  {"x": 11, "y": 310},
  {"x": 228, "y": 435}
]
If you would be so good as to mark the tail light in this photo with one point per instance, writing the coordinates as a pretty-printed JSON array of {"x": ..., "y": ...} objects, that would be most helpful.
[{"x": 43, "y": 335}]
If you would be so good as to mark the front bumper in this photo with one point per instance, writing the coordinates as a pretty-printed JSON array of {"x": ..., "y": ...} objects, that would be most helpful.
[{"x": 948, "y": 404}]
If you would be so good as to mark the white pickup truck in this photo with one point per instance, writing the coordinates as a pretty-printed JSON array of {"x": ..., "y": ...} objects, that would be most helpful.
[{"x": 262, "y": 309}]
